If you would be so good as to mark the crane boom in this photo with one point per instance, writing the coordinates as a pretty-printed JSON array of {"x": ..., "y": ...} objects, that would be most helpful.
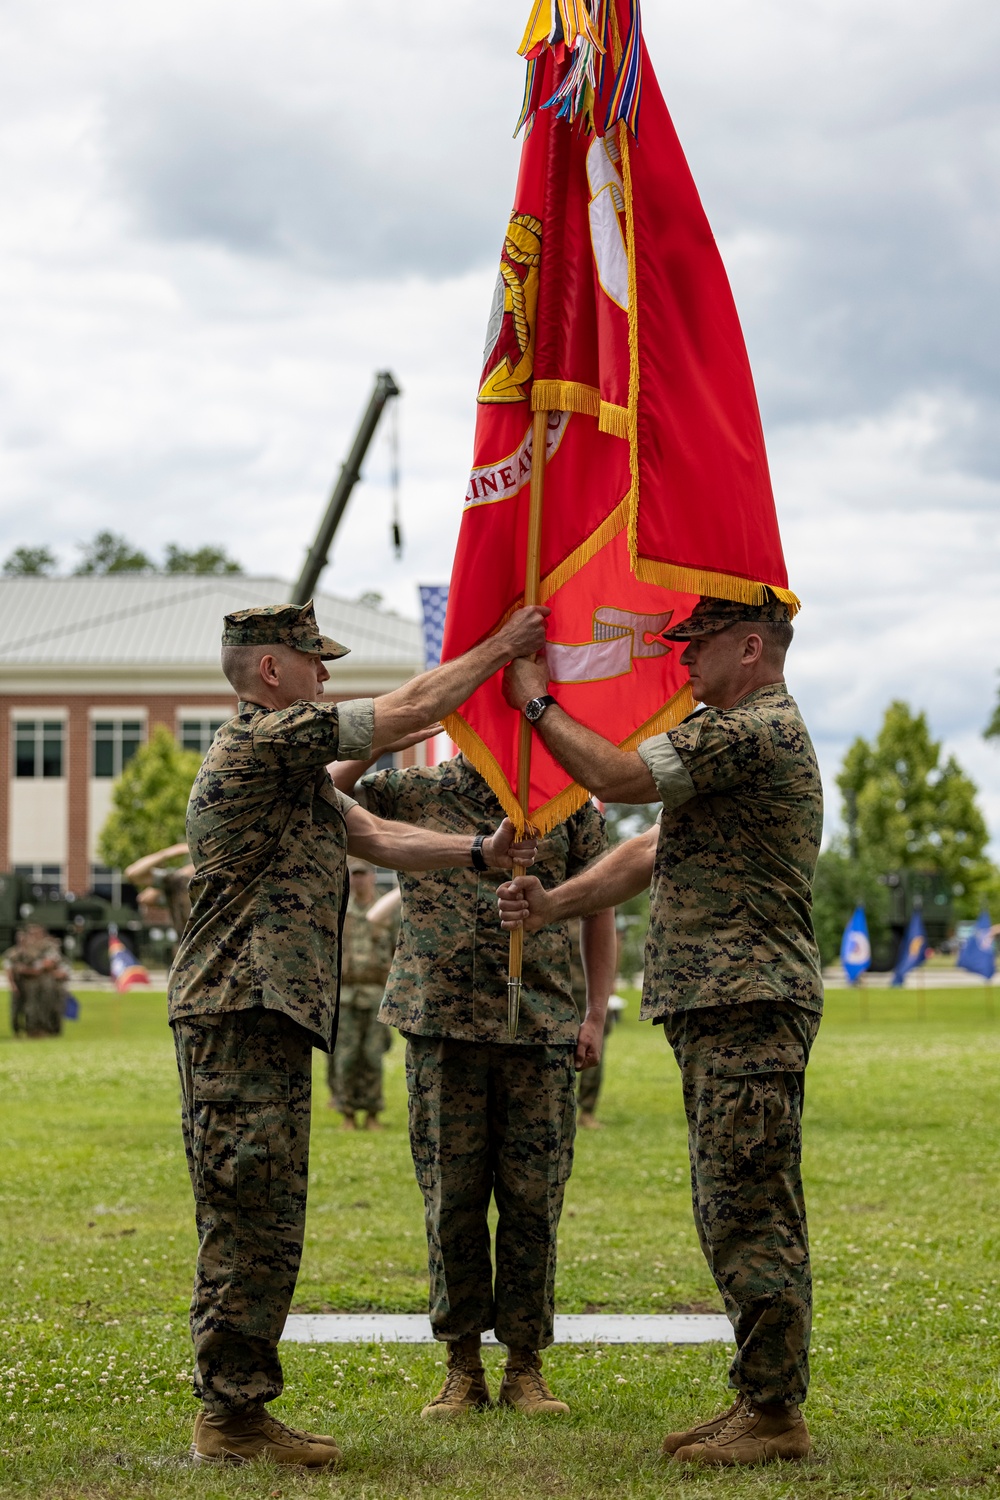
[{"x": 350, "y": 473}]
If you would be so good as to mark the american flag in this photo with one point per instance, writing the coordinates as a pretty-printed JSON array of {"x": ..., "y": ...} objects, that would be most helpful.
[{"x": 434, "y": 602}]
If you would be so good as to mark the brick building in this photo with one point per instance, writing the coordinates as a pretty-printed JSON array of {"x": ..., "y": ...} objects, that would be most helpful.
[{"x": 89, "y": 666}]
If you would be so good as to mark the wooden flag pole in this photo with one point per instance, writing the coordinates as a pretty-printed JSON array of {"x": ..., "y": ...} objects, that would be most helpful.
[{"x": 532, "y": 579}]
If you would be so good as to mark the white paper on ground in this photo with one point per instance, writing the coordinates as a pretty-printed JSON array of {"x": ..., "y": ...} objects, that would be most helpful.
[{"x": 571, "y": 1328}]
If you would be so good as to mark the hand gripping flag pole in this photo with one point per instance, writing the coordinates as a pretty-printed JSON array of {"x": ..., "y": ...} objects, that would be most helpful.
[{"x": 532, "y": 589}]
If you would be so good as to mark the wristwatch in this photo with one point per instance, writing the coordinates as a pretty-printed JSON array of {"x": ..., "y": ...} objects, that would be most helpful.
[
  {"x": 535, "y": 707},
  {"x": 476, "y": 853}
]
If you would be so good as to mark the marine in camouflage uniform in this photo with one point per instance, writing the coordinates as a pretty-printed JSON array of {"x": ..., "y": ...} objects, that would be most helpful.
[
  {"x": 37, "y": 974},
  {"x": 254, "y": 986},
  {"x": 732, "y": 973},
  {"x": 354, "y": 1069},
  {"x": 489, "y": 1116},
  {"x": 161, "y": 883},
  {"x": 174, "y": 885}
]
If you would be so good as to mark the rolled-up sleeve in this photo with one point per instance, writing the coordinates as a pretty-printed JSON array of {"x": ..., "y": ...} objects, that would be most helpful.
[
  {"x": 672, "y": 778},
  {"x": 357, "y": 729}
]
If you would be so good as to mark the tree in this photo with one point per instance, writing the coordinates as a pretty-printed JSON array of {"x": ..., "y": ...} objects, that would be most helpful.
[
  {"x": 910, "y": 811},
  {"x": 30, "y": 562},
  {"x": 841, "y": 882},
  {"x": 111, "y": 553},
  {"x": 212, "y": 560},
  {"x": 149, "y": 801}
]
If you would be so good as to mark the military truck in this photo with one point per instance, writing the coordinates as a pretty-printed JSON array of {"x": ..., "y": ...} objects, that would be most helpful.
[
  {"x": 79, "y": 922},
  {"x": 925, "y": 891}
]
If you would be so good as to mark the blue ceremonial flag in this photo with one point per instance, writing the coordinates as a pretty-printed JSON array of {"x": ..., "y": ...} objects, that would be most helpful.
[
  {"x": 913, "y": 949},
  {"x": 977, "y": 952},
  {"x": 855, "y": 946},
  {"x": 434, "y": 602}
]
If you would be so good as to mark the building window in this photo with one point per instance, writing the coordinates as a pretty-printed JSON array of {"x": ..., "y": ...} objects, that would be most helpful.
[
  {"x": 198, "y": 734},
  {"x": 38, "y": 747},
  {"x": 46, "y": 880},
  {"x": 115, "y": 742},
  {"x": 112, "y": 885}
]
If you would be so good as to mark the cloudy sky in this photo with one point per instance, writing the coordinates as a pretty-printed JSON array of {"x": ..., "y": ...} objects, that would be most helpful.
[{"x": 220, "y": 218}]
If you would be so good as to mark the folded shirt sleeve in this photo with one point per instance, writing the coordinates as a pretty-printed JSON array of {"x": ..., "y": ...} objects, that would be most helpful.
[
  {"x": 357, "y": 729},
  {"x": 313, "y": 734},
  {"x": 671, "y": 776},
  {"x": 714, "y": 752}
]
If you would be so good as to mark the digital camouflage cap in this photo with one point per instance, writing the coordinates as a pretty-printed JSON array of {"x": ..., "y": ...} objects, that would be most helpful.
[
  {"x": 709, "y": 616},
  {"x": 281, "y": 625}
]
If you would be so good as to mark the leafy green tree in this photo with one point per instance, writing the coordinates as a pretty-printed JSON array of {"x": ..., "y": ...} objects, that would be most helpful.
[
  {"x": 110, "y": 553},
  {"x": 211, "y": 560},
  {"x": 909, "y": 809},
  {"x": 905, "y": 808},
  {"x": 841, "y": 883},
  {"x": 149, "y": 801},
  {"x": 30, "y": 562}
]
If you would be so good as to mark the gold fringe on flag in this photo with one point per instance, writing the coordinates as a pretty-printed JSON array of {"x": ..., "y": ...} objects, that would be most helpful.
[
  {"x": 556, "y": 811},
  {"x": 566, "y": 395},
  {"x": 606, "y": 532},
  {"x": 574, "y": 395},
  {"x": 613, "y": 419}
]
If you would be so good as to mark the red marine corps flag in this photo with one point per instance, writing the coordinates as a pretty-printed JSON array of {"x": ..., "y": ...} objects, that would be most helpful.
[{"x": 619, "y": 468}]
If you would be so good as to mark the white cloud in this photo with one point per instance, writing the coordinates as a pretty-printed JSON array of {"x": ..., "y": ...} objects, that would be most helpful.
[{"x": 897, "y": 552}]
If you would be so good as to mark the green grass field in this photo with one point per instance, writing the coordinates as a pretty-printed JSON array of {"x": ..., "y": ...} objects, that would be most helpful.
[{"x": 902, "y": 1167}]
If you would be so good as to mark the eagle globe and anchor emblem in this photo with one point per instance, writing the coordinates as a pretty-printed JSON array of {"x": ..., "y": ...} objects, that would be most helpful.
[{"x": 509, "y": 355}]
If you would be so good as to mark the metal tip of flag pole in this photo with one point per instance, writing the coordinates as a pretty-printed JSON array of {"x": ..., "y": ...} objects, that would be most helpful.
[{"x": 513, "y": 1006}]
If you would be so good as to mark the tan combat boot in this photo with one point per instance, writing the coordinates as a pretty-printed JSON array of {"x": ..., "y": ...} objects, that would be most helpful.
[
  {"x": 699, "y": 1434},
  {"x": 465, "y": 1387},
  {"x": 756, "y": 1433},
  {"x": 524, "y": 1388},
  {"x": 242, "y": 1437}
]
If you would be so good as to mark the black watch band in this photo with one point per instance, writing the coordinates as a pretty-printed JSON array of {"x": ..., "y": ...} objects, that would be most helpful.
[
  {"x": 534, "y": 709},
  {"x": 478, "y": 862}
]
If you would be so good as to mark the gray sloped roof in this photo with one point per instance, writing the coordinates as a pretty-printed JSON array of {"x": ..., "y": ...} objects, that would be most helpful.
[{"x": 129, "y": 619}]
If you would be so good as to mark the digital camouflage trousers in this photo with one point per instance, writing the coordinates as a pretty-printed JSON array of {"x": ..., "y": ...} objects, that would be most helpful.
[
  {"x": 743, "y": 1074},
  {"x": 354, "y": 1068},
  {"x": 246, "y": 1079},
  {"x": 491, "y": 1119},
  {"x": 36, "y": 1005}
]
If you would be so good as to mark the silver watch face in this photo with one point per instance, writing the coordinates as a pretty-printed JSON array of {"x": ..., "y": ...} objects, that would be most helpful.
[{"x": 533, "y": 710}]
